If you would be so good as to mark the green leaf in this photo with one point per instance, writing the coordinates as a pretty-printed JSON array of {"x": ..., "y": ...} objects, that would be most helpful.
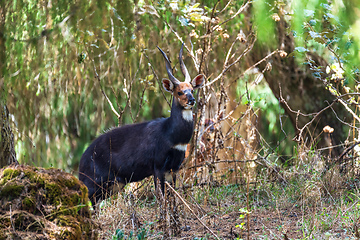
[
  {"x": 195, "y": 6},
  {"x": 301, "y": 49}
]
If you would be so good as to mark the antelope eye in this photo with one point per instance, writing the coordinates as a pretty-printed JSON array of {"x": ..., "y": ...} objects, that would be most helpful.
[{"x": 180, "y": 93}]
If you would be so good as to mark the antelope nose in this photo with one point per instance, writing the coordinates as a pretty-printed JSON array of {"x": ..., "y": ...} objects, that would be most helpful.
[{"x": 191, "y": 101}]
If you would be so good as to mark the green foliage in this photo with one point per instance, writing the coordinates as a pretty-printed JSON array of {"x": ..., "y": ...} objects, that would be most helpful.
[
  {"x": 119, "y": 235},
  {"x": 262, "y": 13},
  {"x": 62, "y": 56},
  {"x": 242, "y": 219},
  {"x": 141, "y": 234},
  {"x": 55, "y": 55},
  {"x": 329, "y": 29},
  {"x": 275, "y": 126}
]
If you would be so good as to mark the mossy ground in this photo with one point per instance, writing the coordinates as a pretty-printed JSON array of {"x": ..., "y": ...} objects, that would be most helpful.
[{"x": 42, "y": 203}]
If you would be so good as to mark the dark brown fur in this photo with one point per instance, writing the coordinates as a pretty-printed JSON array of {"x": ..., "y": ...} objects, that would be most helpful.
[{"x": 133, "y": 152}]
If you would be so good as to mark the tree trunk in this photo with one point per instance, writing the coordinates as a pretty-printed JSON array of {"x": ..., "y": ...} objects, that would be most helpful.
[
  {"x": 304, "y": 93},
  {"x": 7, "y": 151}
]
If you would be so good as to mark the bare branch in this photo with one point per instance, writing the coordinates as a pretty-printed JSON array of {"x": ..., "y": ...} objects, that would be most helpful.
[
  {"x": 238, "y": 59},
  {"x": 102, "y": 90},
  {"x": 192, "y": 211},
  {"x": 157, "y": 78},
  {"x": 242, "y": 8},
  {"x": 298, "y": 138}
]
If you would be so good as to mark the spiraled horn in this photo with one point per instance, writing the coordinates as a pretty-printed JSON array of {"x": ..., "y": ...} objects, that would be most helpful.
[
  {"x": 183, "y": 67},
  {"x": 169, "y": 69}
]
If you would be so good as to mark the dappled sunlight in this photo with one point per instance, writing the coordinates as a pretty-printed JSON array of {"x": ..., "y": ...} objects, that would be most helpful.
[{"x": 268, "y": 122}]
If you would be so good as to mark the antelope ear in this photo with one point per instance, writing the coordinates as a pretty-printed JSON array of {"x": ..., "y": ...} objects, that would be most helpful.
[
  {"x": 168, "y": 85},
  {"x": 198, "y": 81}
]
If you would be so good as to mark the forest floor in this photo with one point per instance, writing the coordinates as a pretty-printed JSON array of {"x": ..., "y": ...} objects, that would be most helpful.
[{"x": 276, "y": 211}]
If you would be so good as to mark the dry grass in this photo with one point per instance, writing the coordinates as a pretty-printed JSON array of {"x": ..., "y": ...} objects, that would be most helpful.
[{"x": 301, "y": 201}]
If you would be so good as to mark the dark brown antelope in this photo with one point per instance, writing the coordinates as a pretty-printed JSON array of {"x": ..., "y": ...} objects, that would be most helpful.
[{"x": 133, "y": 152}]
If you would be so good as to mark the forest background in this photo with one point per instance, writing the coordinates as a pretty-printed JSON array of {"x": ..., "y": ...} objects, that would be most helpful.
[{"x": 281, "y": 91}]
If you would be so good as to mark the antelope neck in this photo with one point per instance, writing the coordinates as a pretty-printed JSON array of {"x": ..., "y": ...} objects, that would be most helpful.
[
  {"x": 180, "y": 125},
  {"x": 178, "y": 110},
  {"x": 187, "y": 115}
]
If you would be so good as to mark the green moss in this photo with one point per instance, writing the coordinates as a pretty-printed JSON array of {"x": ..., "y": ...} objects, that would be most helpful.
[
  {"x": 11, "y": 190},
  {"x": 34, "y": 176},
  {"x": 8, "y": 174},
  {"x": 75, "y": 199},
  {"x": 28, "y": 203},
  {"x": 75, "y": 229},
  {"x": 53, "y": 192},
  {"x": 71, "y": 182},
  {"x": 34, "y": 193},
  {"x": 84, "y": 192}
]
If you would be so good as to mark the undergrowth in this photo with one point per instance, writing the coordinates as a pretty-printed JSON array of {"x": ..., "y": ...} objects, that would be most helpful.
[{"x": 301, "y": 200}]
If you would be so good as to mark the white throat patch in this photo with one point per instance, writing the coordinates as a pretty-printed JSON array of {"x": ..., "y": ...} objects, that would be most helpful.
[
  {"x": 187, "y": 115},
  {"x": 180, "y": 147}
]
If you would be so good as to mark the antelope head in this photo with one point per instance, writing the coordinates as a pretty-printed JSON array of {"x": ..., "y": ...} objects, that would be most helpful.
[{"x": 182, "y": 91}]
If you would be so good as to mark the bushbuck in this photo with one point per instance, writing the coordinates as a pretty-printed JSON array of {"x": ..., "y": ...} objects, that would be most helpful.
[{"x": 133, "y": 152}]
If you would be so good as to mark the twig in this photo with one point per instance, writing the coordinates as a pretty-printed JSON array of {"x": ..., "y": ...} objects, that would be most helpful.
[
  {"x": 178, "y": 37},
  {"x": 157, "y": 78},
  {"x": 349, "y": 109},
  {"x": 248, "y": 202},
  {"x": 282, "y": 100},
  {"x": 238, "y": 59},
  {"x": 141, "y": 102},
  {"x": 339, "y": 61},
  {"x": 143, "y": 93},
  {"x": 343, "y": 122},
  {"x": 102, "y": 90},
  {"x": 227, "y": 161},
  {"x": 346, "y": 151},
  {"x": 181, "y": 199},
  {"x": 228, "y": 3},
  {"x": 12, "y": 224},
  {"x": 242, "y": 8}
]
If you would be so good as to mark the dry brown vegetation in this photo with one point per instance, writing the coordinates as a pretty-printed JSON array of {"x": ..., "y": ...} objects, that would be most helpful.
[{"x": 303, "y": 201}]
